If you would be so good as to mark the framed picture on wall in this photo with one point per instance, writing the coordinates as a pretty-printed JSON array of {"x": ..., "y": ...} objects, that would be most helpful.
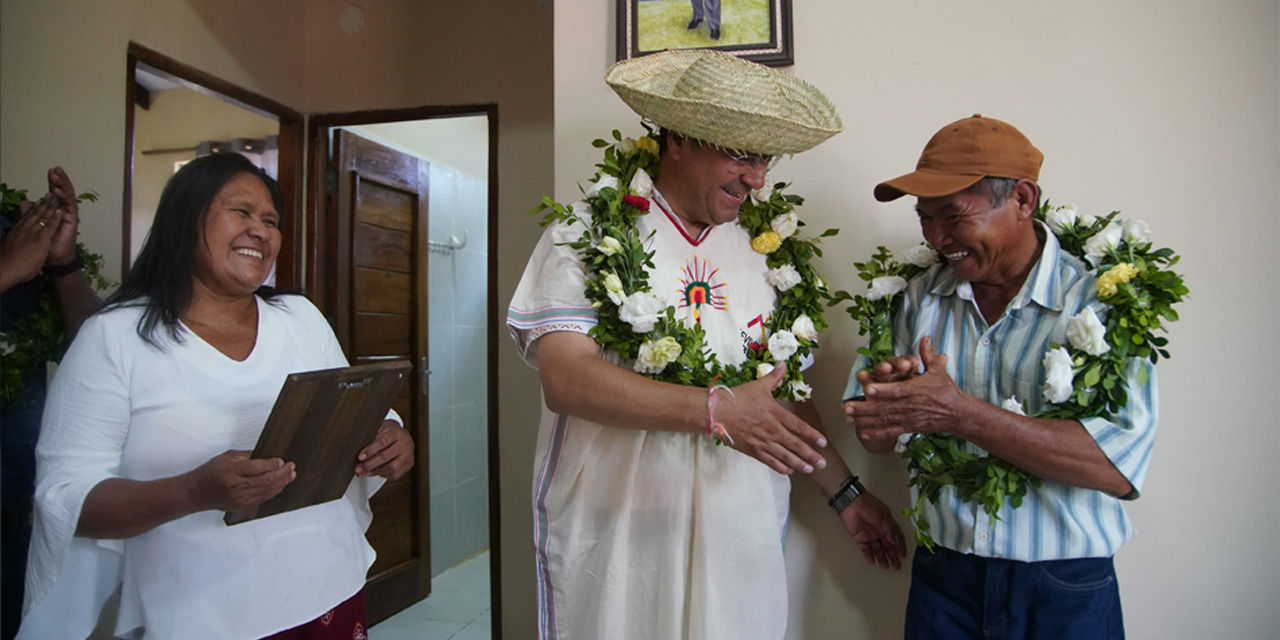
[{"x": 757, "y": 30}]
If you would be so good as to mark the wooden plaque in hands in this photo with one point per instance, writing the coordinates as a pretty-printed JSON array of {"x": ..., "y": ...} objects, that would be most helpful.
[{"x": 320, "y": 422}]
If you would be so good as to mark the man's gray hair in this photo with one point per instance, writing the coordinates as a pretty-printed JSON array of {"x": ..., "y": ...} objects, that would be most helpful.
[{"x": 997, "y": 190}]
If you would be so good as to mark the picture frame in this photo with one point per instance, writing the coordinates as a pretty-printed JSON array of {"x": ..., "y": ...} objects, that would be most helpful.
[{"x": 756, "y": 30}]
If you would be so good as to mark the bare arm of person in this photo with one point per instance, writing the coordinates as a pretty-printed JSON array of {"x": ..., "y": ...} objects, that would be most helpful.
[
  {"x": 1057, "y": 450},
  {"x": 76, "y": 299},
  {"x": 122, "y": 508},
  {"x": 577, "y": 382},
  {"x": 867, "y": 520}
]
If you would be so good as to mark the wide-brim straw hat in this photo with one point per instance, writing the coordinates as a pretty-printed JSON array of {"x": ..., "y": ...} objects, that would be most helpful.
[{"x": 726, "y": 101}]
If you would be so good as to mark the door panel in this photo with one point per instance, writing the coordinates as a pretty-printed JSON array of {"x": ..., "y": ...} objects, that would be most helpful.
[{"x": 380, "y": 294}]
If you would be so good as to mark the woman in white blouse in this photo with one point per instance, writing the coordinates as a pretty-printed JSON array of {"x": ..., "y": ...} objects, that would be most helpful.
[{"x": 146, "y": 435}]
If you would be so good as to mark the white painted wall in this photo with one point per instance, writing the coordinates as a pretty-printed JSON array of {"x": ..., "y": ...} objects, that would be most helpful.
[{"x": 1169, "y": 111}]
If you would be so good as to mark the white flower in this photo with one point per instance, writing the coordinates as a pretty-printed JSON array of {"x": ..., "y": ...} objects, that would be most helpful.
[
  {"x": 642, "y": 310},
  {"x": 605, "y": 180},
  {"x": 1087, "y": 333},
  {"x": 921, "y": 255},
  {"x": 655, "y": 355},
  {"x": 1087, "y": 219},
  {"x": 800, "y": 390},
  {"x": 783, "y": 278},
  {"x": 627, "y": 146},
  {"x": 820, "y": 284},
  {"x": 1137, "y": 233},
  {"x": 1102, "y": 243},
  {"x": 782, "y": 345},
  {"x": 885, "y": 286},
  {"x": 763, "y": 369},
  {"x": 613, "y": 286},
  {"x": 1057, "y": 378},
  {"x": 609, "y": 245},
  {"x": 803, "y": 328},
  {"x": 1061, "y": 218},
  {"x": 785, "y": 226},
  {"x": 642, "y": 184},
  {"x": 1012, "y": 404},
  {"x": 763, "y": 194}
]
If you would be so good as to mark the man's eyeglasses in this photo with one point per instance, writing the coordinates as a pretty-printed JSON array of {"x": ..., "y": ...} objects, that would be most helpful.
[{"x": 745, "y": 162}]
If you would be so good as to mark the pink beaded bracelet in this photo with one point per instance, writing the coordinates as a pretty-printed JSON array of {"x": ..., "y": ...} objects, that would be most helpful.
[{"x": 715, "y": 429}]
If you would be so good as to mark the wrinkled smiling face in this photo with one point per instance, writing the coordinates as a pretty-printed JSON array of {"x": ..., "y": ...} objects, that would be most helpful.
[
  {"x": 981, "y": 243},
  {"x": 716, "y": 188},
  {"x": 240, "y": 238}
]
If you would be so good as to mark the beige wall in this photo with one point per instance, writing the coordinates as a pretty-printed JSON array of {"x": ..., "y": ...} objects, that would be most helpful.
[
  {"x": 62, "y": 81},
  {"x": 1167, "y": 111}
]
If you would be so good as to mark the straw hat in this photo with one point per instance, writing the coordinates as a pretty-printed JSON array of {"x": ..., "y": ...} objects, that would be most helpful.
[{"x": 726, "y": 101}]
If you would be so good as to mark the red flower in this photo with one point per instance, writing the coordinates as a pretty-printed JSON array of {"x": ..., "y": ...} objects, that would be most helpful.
[{"x": 636, "y": 201}]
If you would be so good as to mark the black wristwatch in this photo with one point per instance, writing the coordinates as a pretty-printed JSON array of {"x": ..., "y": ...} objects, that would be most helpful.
[
  {"x": 59, "y": 270},
  {"x": 849, "y": 491}
]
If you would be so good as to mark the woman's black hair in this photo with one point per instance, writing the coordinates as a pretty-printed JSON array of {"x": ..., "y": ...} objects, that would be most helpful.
[{"x": 161, "y": 277}]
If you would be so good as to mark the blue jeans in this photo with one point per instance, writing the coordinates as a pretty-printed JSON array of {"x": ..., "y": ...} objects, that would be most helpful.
[{"x": 958, "y": 596}]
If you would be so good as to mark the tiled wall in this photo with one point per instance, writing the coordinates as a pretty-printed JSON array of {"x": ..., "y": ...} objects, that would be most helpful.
[{"x": 458, "y": 363}]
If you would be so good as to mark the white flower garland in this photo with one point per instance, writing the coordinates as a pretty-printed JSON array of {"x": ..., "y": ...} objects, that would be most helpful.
[
  {"x": 637, "y": 324},
  {"x": 1084, "y": 378}
]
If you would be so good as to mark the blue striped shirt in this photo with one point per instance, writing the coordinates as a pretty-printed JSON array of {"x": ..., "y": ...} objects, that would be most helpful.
[{"x": 1004, "y": 360}]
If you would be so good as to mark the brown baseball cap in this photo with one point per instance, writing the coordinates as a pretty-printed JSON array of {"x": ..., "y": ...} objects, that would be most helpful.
[{"x": 961, "y": 154}]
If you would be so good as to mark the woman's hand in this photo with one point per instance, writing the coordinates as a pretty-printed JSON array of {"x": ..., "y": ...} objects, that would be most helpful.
[
  {"x": 233, "y": 480},
  {"x": 390, "y": 455}
]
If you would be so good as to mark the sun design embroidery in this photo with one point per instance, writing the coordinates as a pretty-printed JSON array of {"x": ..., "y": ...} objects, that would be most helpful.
[{"x": 699, "y": 286}]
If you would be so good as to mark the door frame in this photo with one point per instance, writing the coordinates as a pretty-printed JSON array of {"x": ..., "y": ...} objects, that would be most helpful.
[
  {"x": 313, "y": 248},
  {"x": 289, "y": 171}
]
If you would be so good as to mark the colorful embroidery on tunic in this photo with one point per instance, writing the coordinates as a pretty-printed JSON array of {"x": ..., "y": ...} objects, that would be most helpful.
[{"x": 698, "y": 287}]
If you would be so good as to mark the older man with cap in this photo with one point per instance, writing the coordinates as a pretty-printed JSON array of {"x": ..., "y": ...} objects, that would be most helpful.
[
  {"x": 982, "y": 320},
  {"x": 644, "y": 527}
]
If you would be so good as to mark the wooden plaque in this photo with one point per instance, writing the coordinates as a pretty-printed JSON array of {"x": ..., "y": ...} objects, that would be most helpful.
[{"x": 320, "y": 422}]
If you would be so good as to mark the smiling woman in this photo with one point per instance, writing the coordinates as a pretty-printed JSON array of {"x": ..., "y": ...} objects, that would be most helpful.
[{"x": 147, "y": 428}]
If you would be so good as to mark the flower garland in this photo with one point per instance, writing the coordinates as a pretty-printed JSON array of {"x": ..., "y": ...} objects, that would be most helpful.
[
  {"x": 38, "y": 338},
  {"x": 639, "y": 325},
  {"x": 1084, "y": 378}
]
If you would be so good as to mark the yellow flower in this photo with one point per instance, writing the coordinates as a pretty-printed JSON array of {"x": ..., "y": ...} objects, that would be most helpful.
[
  {"x": 648, "y": 144},
  {"x": 1108, "y": 282},
  {"x": 766, "y": 243}
]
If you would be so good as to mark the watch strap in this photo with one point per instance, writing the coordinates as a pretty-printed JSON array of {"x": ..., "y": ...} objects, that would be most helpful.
[{"x": 848, "y": 492}]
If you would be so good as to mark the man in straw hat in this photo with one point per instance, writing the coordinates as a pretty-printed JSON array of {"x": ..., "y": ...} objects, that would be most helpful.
[
  {"x": 645, "y": 528},
  {"x": 1004, "y": 292}
]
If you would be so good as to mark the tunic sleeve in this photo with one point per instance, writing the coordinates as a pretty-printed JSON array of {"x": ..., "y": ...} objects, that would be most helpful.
[
  {"x": 550, "y": 294},
  {"x": 82, "y": 437}
]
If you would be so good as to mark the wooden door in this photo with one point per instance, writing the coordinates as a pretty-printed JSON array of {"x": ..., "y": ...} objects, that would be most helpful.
[{"x": 378, "y": 280}]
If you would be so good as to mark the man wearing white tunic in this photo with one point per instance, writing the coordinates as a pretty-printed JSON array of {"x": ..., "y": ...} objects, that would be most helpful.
[{"x": 644, "y": 527}]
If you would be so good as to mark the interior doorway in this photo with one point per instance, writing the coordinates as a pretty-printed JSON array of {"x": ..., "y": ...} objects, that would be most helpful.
[
  {"x": 173, "y": 112},
  {"x": 348, "y": 155}
]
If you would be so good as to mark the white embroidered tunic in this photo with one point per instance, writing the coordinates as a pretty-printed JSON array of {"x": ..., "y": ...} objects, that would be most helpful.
[{"x": 651, "y": 534}]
